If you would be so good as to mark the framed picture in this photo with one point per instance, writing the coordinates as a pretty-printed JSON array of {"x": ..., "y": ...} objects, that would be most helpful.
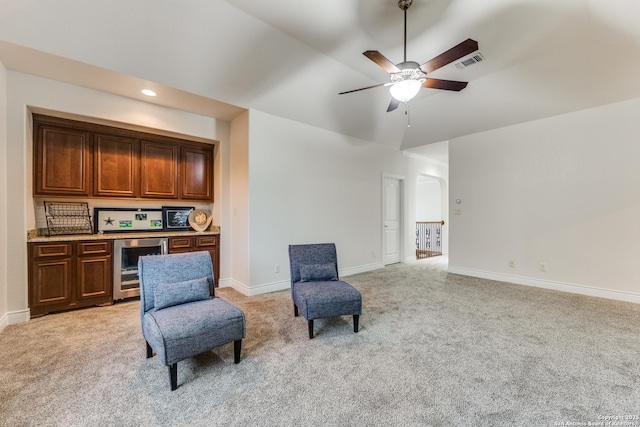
[
  {"x": 176, "y": 218},
  {"x": 123, "y": 220}
]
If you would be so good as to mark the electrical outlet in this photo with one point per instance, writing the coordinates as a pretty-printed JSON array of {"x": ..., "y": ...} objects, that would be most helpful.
[
  {"x": 457, "y": 211},
  {"x": 512, "y": 264},
  {"x": 542, "y": 267},
  {"x": 277, "y": 269},
  {"x": 373, "y": 254}
]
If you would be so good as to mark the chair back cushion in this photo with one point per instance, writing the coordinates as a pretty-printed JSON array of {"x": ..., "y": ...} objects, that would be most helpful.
[
  {"x": 315, "y": 261},
  {"x": 318, "y": 272},
  {"x": 169, "y": 294},
  {"x": 154, "y": 270}
]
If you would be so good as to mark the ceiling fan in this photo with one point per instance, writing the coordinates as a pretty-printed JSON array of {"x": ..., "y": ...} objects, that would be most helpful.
[{"x": 408, "y": 77}]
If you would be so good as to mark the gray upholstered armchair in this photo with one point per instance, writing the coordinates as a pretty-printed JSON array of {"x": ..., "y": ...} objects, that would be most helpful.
[
  {"x": 316, "y": 289},
  {"x": 181, "y": 317}
]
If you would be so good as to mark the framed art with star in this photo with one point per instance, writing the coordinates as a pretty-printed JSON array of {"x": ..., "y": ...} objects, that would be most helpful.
[{"x": 122, "y": 220}]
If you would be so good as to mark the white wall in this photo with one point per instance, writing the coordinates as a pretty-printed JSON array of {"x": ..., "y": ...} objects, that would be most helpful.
[
  {"x": 428, "y": 201},
  {"x": 4, "y": 249},
  {"x": 25, "y": 91},
  {"x": 237, "y": 243},
  {"x": 311, "y": 185},
  {"x": 561, "y": 191}
]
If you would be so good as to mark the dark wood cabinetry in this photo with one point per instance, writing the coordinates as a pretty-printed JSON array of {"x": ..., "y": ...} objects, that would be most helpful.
[
  {"x": 210, "y": 243},
  {"x": 77, "y": 159},
  {"x": 66, "y": 275},
  {"x": 115, "y": 166},
  {"x": 159, "y": 170},
  {"x": 61, "y": 161},
  {"x": 50, "y": 276},
  {"x": 196, "y": 181}
]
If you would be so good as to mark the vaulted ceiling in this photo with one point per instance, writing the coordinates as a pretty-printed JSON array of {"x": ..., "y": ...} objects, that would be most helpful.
[{"x": 215, "y": 57}]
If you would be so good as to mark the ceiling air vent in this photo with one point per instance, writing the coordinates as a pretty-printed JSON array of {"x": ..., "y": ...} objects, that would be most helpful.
[{"x": 470, "y": 61}]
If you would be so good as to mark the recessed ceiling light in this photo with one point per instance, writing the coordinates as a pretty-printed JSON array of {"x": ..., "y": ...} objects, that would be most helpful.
[{"x": 148, "y": 92}]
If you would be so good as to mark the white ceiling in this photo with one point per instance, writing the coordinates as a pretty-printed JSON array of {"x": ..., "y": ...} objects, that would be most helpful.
[{"x": 215, "y": 57}]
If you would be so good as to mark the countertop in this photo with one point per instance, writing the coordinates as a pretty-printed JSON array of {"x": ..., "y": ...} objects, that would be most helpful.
[{"x": 34, "y": 236}]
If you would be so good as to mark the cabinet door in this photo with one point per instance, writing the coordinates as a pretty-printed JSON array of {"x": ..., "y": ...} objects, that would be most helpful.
[
  {"x": 61, "y": 161},
  {"x": 211, "y": 244},
  {"x": 196, "y": 173},
  {"x": 115, "y": 166},
  {"x": 159, "y": 170},
  {"x": 51, "y": 284},
  {"x": 94, "y": 278}
]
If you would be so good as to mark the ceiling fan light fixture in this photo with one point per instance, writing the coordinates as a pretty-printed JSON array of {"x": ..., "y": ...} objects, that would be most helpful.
[
  {"x": 407, "y": 77},
  {"x": 405, "y": 90}
]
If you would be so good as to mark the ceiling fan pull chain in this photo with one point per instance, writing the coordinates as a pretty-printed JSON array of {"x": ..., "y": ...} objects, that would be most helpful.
[{"x": 408, "y": 114}]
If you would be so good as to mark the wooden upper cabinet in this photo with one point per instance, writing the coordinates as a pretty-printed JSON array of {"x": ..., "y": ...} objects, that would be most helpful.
[
  {"x": 196, "y": 173},
  {"x": 78, "y": 159},
  {"x": 61, "y": 161},
  {"x": 115, "y": 166},
  {"x": 159, "y": 171}
]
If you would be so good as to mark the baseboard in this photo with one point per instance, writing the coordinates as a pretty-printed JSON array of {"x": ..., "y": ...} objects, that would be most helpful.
[
  {"x": 254, "y": 290},
  {"x": 280, "y": 285},
  {"x": 270, "y": 287},
  {"x": 232, "y": 283},
  {"x": 548, "y": 284},
  {"x": 360, "y": 269},
  {"x": 4, "y": 322},
  {"x": 14, "y": 317},
  {"x": 19, "y": 316}
]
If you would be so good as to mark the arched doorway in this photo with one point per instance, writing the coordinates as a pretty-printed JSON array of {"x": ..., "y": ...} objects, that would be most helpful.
[{"x": 431, "y": 216}]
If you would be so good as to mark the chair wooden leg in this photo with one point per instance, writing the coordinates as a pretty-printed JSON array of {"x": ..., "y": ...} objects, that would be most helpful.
[
  {"x": 356, "y": 318},
  {"x": 173, "y": 376},
  {"x": 149, "y": 350},
  {"x": 310, "y": 329},
  {"x": 237, "y": 347},
  {"x": 295, "y": 310}
]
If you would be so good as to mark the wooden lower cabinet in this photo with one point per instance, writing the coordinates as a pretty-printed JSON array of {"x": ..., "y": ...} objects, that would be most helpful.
[
  {"x": 67, "y": 275},
  {"x": 209, "y": 243}
]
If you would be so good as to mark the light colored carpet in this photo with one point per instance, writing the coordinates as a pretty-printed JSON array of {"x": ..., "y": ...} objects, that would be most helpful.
[{"x": 434, "y": 349}]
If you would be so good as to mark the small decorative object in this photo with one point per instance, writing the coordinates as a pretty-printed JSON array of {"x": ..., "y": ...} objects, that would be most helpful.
[
  {"x": 176, "y": 218},
  {"x": 200, "y": 219}
]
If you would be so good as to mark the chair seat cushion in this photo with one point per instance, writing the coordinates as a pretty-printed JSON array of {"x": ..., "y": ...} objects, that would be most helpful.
[
  {"x": 317, "y": 300},
  {"x": 186, "y": 330}
]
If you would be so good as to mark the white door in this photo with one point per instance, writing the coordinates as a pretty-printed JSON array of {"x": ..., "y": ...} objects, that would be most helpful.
[{"x": 392, "y": 234}]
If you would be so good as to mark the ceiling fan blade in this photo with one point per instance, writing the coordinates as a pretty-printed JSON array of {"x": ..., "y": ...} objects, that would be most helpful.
[
  {"x": 444, "y": 84},
  {"x": 456, "y": 52},
  {"x": 382, "y": 61},
  {"x": 363, "y": 88},
  {"x": 393, "y": 105}
]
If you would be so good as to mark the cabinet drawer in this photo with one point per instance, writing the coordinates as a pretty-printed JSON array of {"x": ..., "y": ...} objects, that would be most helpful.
[
  {"x": 94, "y": 248},
  {"x": 180, "y": 243},
  {"x": 206, "y": 241},
  {"x": 50, "y": 250}
]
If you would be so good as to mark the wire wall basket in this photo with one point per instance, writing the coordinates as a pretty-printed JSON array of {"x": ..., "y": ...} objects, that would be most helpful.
[{"x": 67, "y": 218}]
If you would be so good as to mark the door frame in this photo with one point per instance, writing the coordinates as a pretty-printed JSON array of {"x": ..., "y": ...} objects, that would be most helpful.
[{"x": 401, "y": 180}]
